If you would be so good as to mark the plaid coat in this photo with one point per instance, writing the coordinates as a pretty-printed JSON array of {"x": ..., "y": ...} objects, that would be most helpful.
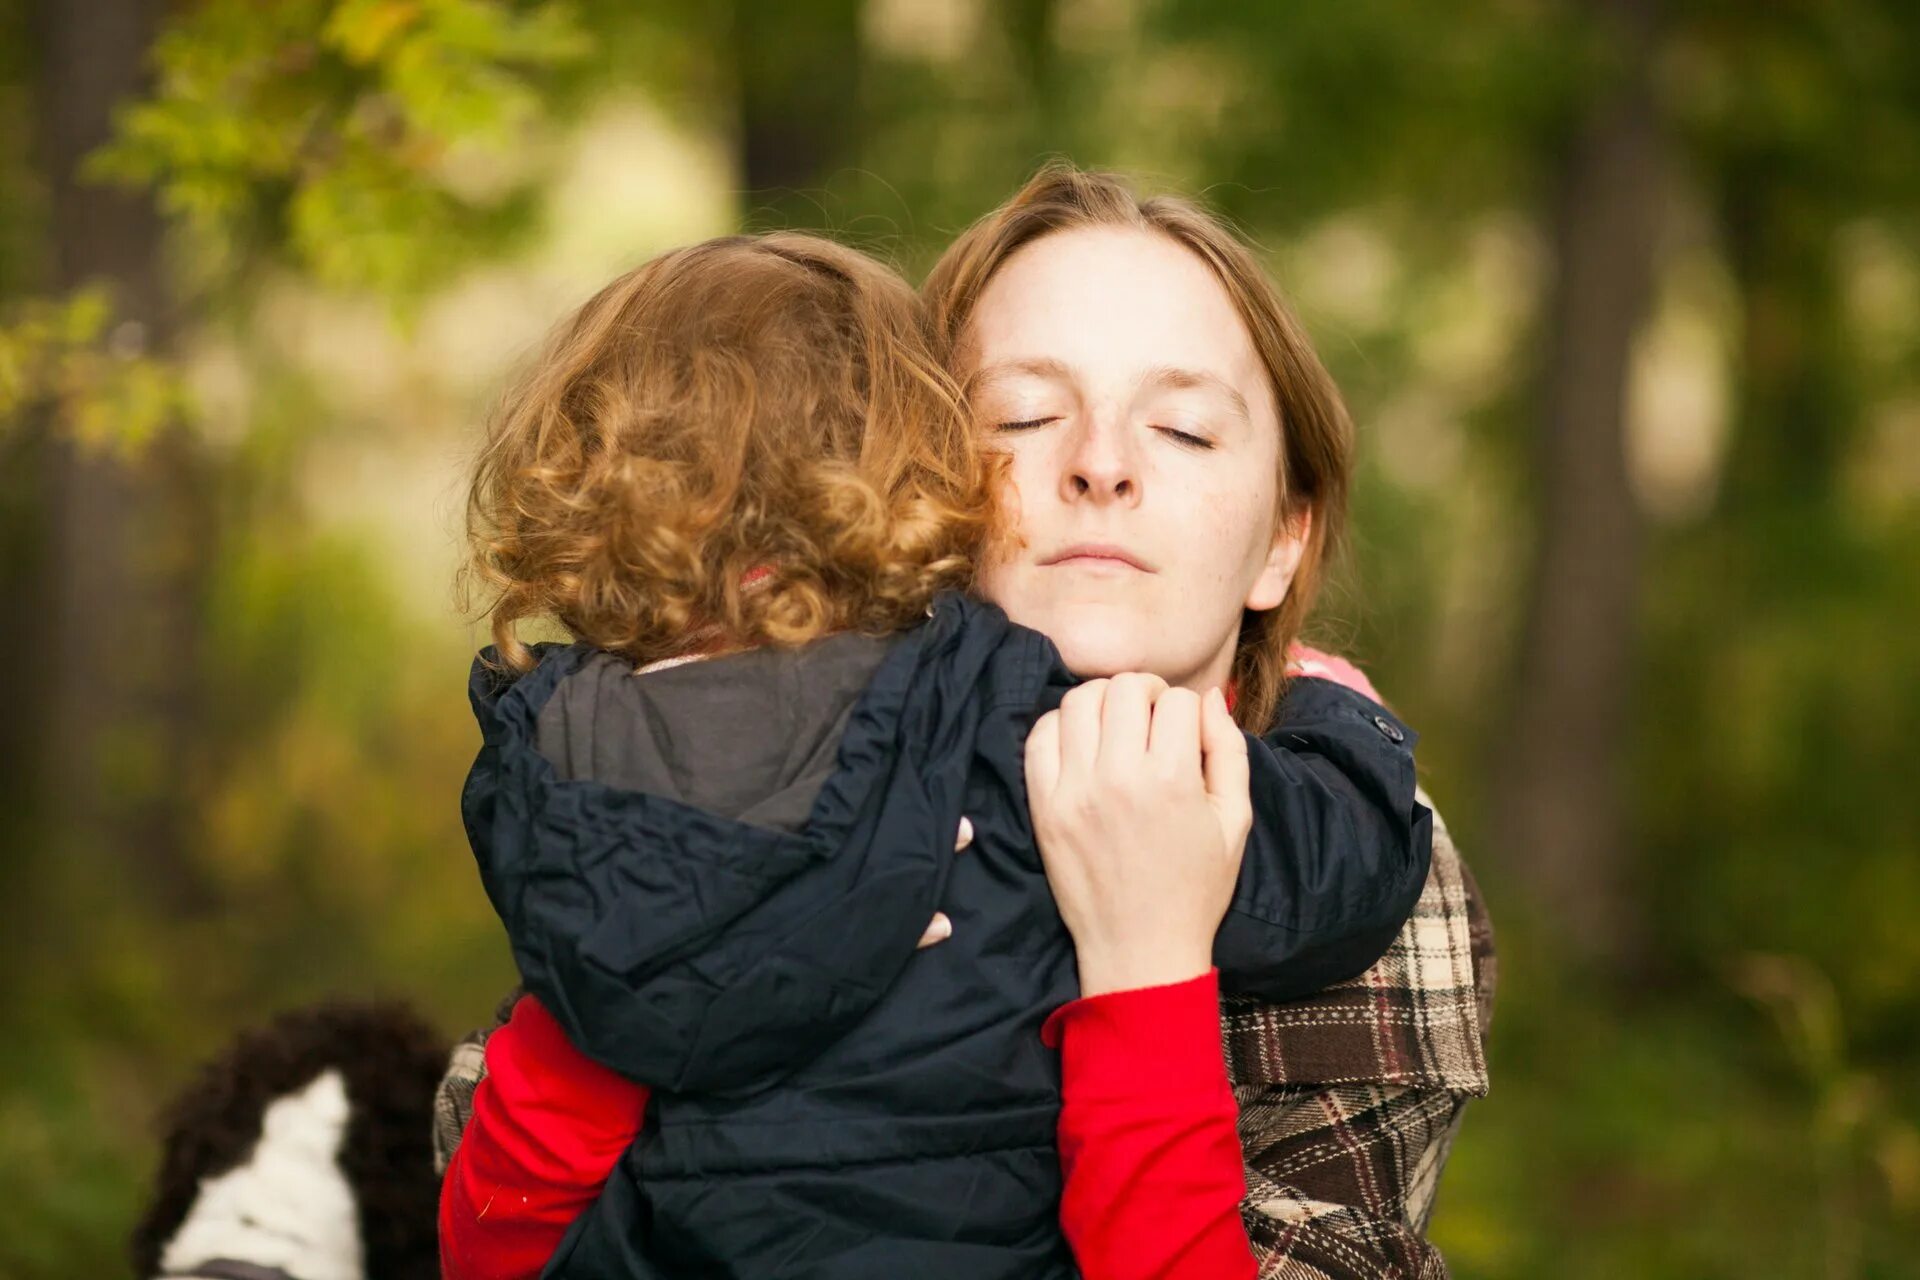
[{"x": 1349, "y": 1099}]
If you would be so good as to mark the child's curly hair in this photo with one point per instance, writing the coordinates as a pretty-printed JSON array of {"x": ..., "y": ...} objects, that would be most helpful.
[{"x": 751, "y": 440}]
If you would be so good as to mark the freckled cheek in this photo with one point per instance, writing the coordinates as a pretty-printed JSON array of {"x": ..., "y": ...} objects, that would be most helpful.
[{"x": 1235, "y": 530}]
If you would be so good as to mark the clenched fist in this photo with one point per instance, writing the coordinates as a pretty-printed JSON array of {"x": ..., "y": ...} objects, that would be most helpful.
[{"x": 1139, "y": 800}]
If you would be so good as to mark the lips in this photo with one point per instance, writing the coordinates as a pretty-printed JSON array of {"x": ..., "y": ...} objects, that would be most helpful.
[{"x": 1095, "y": 553}]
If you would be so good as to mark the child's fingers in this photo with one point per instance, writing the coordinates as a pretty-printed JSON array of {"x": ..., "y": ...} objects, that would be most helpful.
[
  {"x": 939, "y": 929},
  {"x": 1223, "y": 751}
]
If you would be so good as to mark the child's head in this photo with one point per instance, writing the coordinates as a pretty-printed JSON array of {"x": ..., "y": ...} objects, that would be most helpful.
[{"x": 750, "y": 440}]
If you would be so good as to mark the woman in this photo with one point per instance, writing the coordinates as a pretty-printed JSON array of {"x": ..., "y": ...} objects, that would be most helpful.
[
  {"x": 1161, "y": 403},
  {"x": 1139, "y": 369}
]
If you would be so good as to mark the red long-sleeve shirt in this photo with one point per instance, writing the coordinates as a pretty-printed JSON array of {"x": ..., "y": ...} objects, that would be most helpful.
[{"x": 1151, "y": 1158}]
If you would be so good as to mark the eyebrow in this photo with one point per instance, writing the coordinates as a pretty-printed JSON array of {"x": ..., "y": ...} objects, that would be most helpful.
[
  {"x": 1166, "y": 376},
  {"x": 1037, "y": 367},
  {"x": 1194, "y": 379}
]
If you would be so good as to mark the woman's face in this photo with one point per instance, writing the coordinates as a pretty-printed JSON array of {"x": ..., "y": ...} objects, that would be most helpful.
[{"x": 1144, "y": 444}]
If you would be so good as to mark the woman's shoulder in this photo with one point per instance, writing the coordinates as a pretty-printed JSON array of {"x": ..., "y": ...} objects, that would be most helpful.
[{"x": 1305, "y": 661}]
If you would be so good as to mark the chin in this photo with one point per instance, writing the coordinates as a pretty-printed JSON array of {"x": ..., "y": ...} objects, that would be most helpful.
[{"x": 1092, "y": 647}]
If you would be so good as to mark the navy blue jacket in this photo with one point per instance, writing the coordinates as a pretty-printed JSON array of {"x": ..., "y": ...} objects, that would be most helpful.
[{"x": 715, "y": 877}]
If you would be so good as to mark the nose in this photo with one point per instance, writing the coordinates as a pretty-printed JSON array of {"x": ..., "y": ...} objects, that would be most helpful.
[{"x": 1100, "y": 464}]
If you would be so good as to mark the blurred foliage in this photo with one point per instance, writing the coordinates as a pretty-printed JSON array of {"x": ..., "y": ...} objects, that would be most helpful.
[
  {"x": 102, "y": 387},
  {"x": 378, "y": 204},
  {"x": 359, "y": 139}
]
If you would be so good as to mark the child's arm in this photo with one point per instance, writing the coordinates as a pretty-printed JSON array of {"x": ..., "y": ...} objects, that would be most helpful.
[
  {"x": 548, "y": 1126},
  {"x": 1152, "y": 1163},
  {"x": 1338, "y": 850}
]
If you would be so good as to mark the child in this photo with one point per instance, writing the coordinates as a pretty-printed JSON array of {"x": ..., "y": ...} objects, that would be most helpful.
[{"x": 715, "y": 875}]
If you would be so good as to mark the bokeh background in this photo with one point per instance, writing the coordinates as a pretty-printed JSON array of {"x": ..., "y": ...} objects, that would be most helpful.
[{"x": 1626, "y": 300}]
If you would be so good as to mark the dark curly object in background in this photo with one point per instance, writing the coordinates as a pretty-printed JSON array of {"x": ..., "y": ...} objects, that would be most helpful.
[{"x": 216, "y": 1169}]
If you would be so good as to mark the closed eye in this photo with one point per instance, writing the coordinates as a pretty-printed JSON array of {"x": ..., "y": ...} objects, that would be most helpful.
[
  {"x": 1025, "y": 425},
  {"x": 1185, "y": 439}
]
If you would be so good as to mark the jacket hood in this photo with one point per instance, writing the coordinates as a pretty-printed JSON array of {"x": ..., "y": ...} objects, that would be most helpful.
[{"x": 737, "y": 859}]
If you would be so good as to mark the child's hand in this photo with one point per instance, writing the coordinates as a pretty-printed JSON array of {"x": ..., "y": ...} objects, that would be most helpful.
[
  {"x": 1139, "y": 801},
  {"x": 941, "y": 928}
]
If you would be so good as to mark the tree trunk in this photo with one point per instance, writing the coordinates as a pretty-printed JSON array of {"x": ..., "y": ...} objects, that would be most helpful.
[
  {"x": 1047, "y": 124},
  {"x": 1797, "y": 411},
  {"x": 123, "y": 536},
  {"x": 800, "y": 74},
  {"x": 1556, "y": 813}
]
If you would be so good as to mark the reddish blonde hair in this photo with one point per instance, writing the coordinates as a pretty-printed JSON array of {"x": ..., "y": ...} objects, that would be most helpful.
[
  {"x": 752, "y": 440},
  {"x": 1316, "y": 435}
]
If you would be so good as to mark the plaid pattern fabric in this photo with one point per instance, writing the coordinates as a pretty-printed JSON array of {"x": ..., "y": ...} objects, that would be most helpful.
[
  {"x": 466, "y": 1068},
  {"x": 1349, "y": 1100}
]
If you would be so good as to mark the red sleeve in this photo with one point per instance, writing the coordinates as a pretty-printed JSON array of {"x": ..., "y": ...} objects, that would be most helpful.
[
  {"x": 548, "y": 1126},
  {"x": 1153, "y": 1169}
]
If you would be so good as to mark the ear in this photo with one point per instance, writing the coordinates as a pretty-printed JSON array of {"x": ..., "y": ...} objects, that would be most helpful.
[{"x": 1270, "y": 589}]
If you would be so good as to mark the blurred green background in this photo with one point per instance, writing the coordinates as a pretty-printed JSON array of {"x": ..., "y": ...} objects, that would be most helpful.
[{"x": 1626, "y": 300}]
